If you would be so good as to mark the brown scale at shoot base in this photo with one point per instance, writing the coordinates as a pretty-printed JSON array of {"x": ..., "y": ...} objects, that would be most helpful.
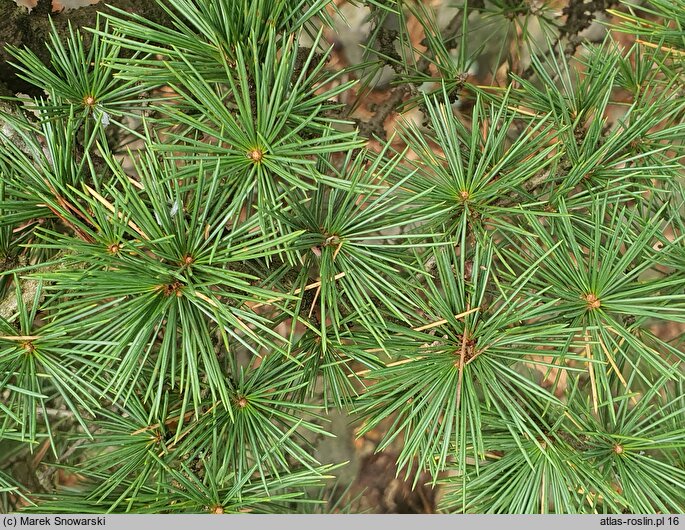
[
  {"x": 469, "y": 350},
  {"x": 172, "y": 288},
  {"x": 592, "y": 301}
]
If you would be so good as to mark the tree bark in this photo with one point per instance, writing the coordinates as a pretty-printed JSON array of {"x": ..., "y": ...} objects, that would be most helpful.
[{"x": 20, "y": 28}]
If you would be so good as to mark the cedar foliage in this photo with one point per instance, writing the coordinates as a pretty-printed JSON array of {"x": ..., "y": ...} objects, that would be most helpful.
[{"x": 202, "y": 257}]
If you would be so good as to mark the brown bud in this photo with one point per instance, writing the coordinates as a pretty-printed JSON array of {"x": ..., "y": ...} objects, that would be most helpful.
[
  {"x": 114, "y": 248},
  {"x": 256, "y": 155}
]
